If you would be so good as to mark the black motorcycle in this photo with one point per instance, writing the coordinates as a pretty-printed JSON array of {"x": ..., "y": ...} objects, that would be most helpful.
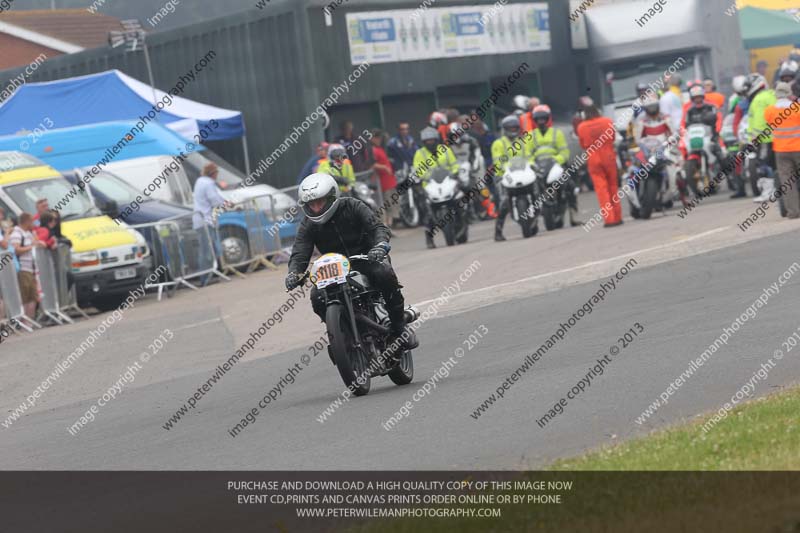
[
  {"x": 358, "y": 324},
  {"x": 646, "y": 178}
]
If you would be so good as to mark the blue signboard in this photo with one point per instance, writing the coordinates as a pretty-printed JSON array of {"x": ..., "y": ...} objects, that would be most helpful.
[
  {"x": 467, "y": 24},
  {"x": 377, "y": 30}
]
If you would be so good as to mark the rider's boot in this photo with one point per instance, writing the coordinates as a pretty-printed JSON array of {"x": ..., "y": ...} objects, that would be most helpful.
[
  {"x": 401, "y": 336},
  {"x": 498, "y": 229},
  {"x": 429, "y": 240}
]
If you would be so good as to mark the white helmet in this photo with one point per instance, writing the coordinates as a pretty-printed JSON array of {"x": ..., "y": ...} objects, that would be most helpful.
[
  {"x": 739, "y": 84},
  {"x": 757, "y": 82},
  {"x": 522, "y": 102},
  {"x": 316, "y": 187}
]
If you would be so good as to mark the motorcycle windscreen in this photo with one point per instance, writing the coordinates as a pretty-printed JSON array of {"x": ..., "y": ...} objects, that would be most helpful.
[
  {"x": 439, "y": 174},
  {"x": 518, "y": 163}
]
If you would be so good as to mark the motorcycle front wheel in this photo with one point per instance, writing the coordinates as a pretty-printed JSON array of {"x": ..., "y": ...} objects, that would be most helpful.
[
  {"x": 554, "y": 216},
  {"x": 528, "y": 221},
  {"x": 691, "y": 169},
  {"x": 352, "y": 363},
  {"x": 409, "y": 216},
  {"x": 649, "y": 197}
]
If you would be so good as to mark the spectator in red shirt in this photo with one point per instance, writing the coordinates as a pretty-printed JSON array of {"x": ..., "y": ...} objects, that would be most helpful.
[
  {"x": 44, "y": 231},
  {"x": 383, "y": 167}
]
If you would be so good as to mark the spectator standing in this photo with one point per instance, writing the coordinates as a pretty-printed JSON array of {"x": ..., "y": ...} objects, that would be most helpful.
[
  {"x": 383, "y": 167},
  {"x": 44, "y": 231},
  {"x": 42, "y": 206},
  {"x": 23, "y": 241},
  {"x": 207, "y": 199},
  {"x": 361, "y": 158},
  {"x": 320, "y": 154},
  {"x": 671, "y": 103},
  {"x": 786, "y": 144},
  {"x": 402, "y": 147}
]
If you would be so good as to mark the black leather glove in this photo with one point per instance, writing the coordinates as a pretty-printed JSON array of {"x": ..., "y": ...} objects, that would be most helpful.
[
  {"x": 378, "y": 252},
  {"x": 292, "y": 281}
]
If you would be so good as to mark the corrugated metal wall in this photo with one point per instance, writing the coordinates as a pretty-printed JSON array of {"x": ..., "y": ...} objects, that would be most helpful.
[{"x": 278, "y": 64}]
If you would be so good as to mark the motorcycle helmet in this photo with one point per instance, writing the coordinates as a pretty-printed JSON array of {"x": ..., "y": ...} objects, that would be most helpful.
[
  {"x": 541, "y": 115},
  {"x": 456, "y": 133},
  {"x": 510, "y": 126},
  {"x": 697, "y": 94},
  {"x": 757, "y": 82},
  {"x": 429, "y": 138},
  {"x": 788, "y": 71},
  {"x": 522, "y": 102},
  {"x": 437, "y": 119},
  {"x": 651, "y": 106},
  {"x": 740, "y": 85},
  {"x": 315, "y": 187},
  {"x": 336, "y": 155}
]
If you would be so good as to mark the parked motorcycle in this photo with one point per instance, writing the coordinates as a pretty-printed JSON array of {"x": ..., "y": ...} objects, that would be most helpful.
[
  {"x": 412, "y": 206},
  {"x": 731, "y": 140},
  {"x": 358, "y": 324},
  {"x": 519, "y": 186},
  {"x": 445, "y": 192},
  {"x": 646, "y": 179},
  {"x": 554, "y": 208}
]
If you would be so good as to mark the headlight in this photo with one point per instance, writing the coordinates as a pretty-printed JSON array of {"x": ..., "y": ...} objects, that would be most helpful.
[
  {"x": 85, "y": 259},
  {"x": 143, "y": 251}
]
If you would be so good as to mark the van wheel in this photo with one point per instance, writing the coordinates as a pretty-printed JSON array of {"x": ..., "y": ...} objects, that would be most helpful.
[{"x": 233, "y": 242}]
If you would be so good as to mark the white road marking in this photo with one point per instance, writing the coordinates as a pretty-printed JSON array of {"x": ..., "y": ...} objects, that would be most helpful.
[{"x": 627, "y": 255}]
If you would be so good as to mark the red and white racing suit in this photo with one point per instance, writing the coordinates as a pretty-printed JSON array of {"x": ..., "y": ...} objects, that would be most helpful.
[{"x": 655, "y": 132}]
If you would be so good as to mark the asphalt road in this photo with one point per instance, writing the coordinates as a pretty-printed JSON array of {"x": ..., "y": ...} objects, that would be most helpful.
[{"x": 688, "y": 285}]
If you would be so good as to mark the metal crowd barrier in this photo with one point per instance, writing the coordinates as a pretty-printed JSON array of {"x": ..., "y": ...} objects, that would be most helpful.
[
  {"x": 163, "y": 238},
  {"x": 46, "y": 271},
  {"x": 67, "y": 295},
  {"x": 197, "y": 250},
  {"x": 9, "y": 293}
]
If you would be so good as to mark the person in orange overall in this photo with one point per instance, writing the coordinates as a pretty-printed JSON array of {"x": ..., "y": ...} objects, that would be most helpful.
[
  {"x": 718, "y": 99},
  {"x": 596, "y": 134}
]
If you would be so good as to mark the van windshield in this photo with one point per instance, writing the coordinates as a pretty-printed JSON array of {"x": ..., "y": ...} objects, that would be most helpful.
[
  {"x": 70, "y": 201},
  {"x": 116, "y": 189}
]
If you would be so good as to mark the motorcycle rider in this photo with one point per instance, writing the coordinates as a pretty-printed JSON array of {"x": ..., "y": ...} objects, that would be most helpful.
[
  {"x": 467, "y": 148},
  {"x": 339, "y": 167},
  {"x": 549, "y": 141},
  {"x": 510, "y": 145},
  {"x": 788, "y": 71},
  {"x": 701, "y": 111},
  {"x": 738, "y": 105},
  {"x": 433, "y": 153},
  {"x": 760, "y": 97},
  {"x": 347, "y": 226},
  {"x": 438, "y": 121},
  {"x": 654, "y": 129}
]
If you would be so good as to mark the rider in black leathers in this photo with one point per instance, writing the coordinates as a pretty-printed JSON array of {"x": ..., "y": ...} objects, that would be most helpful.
[{"x": 349, "y": 227}]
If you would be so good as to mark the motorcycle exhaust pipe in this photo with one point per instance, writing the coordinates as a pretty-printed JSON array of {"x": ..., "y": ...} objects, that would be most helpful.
[
  {"x": 371, "y": 324},
  {"x": 411, "y": 314}
]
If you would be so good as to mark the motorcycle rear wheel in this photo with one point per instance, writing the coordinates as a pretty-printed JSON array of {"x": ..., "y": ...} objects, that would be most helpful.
[
  {"x": 351, "y": 363},
  {"x": 403, "y": 372}
]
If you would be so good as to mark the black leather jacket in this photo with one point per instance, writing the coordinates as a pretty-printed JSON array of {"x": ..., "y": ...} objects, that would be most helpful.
[{"x": 353, "y": 229}]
